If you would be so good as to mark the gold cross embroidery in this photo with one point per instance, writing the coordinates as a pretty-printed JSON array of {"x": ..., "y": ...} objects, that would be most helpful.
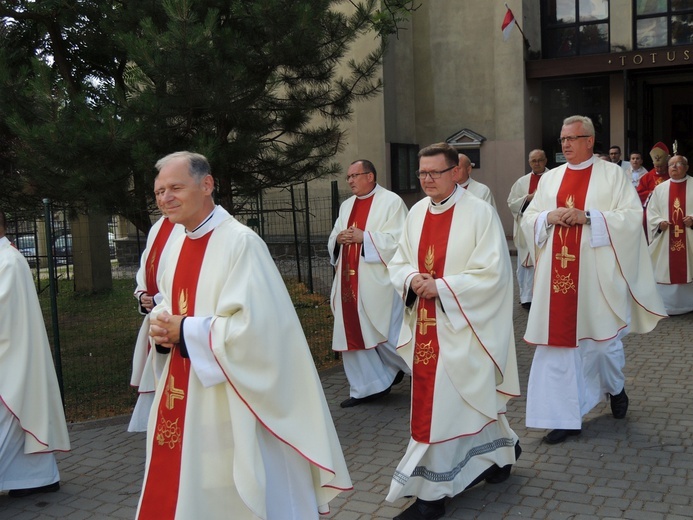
[
  {"x": 564, "y": 257},
  {"x": 677, "y": 231},
  {"x": 172, "y": 393},
  {"x": 424, "y": 321}
]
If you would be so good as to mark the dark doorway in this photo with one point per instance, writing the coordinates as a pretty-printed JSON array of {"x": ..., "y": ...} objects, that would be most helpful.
[
  {"x": 660, "y": 108},
  {"x": 565, "y": 98}
]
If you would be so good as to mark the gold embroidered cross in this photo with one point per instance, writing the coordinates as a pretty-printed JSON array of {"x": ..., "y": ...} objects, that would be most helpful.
[
  {"x": 424, "y": 321},
  {"x": 172, "y": 393},
  {"x": 564, "y": 257},
  {"x": 677, "y": 231}
]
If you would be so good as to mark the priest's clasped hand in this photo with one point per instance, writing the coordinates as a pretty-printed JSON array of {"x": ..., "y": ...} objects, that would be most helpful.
[
  {"x": 352, "y": 235},
  {"x": 566, "y": 217},
  {"x": 424, "y": 285},
  {"x": 164, "y": 329}
]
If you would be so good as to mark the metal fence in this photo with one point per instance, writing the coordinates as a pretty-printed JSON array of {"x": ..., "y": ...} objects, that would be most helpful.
[{"x": 93, "y": 334}]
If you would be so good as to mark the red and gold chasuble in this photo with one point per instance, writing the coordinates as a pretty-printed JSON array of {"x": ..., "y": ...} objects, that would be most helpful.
[
  {"x": 351, "y": 256},
  {"x": 160, "y": 494},
  {"x": 565, "y": 262},
  {"x": 678, "y": 269},
  {"x": 431, "y": 257},
  {"x": 154, "y": 256}
]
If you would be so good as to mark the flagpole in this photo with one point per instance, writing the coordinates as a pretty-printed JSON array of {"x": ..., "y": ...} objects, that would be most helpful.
[{"x": 518, "y": 27}]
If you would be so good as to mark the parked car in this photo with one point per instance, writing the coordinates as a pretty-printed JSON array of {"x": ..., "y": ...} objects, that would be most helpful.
[
  {"x": 62, "y": 249},
  {"x": 26, "y": 244}
]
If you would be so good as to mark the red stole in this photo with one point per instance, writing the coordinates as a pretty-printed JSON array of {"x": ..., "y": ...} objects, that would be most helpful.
[
  {"x": 351, "y": 256},
  {"x": 154, "y": 256},
  {"x": 678, "y": 268},
  {"x": 533, "y": 183},
  {"x": 565, "y": 262},
  {"x": 160, "y": 493},
  {"x": 431, "y": 257}
]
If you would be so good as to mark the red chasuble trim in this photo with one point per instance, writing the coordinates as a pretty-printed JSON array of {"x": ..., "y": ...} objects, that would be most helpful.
[
  {"x": 678, "y": 268},
  {"x": 565, "y": 262},
  {"x": 160, "y": 493},
  {"x": 351, "y": 256},
  {"x": 154, "y": 256},
  {"x": 431, "y": 260}
]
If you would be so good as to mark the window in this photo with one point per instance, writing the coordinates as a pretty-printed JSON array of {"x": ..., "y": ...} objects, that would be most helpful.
[
  {"x": 660, "y": 23},
  {"x": 404, "y": 162},
  {"x": 574, "y": 27}
]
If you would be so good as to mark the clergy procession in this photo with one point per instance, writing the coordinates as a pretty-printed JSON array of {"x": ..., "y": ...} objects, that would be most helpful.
[{"x": 236, "y": 416}]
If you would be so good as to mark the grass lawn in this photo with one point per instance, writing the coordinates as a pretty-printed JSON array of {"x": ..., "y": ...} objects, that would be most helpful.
[{"x": 98, "y": 333}]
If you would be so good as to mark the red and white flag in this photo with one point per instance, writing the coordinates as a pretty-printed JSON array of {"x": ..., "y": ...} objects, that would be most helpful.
[{"x": 508, "y": 24}]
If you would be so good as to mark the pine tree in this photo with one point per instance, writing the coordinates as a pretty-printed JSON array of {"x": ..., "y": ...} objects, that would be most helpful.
[{"x": 93, "y": 92}]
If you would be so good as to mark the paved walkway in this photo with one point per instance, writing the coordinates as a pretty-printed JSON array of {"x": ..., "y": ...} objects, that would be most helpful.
[{"x": 638, "y": 468}]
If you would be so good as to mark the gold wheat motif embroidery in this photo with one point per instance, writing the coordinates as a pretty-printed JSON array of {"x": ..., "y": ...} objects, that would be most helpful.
[
  {"x": 430, "y": 259},
  {"x": 183, "y": 302}
]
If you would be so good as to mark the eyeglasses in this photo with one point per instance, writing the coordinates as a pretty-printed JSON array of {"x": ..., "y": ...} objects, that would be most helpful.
[
  {"x": 678, "y": 164},
  {"x": 354, "y": 175},
  {"x": 433, "y": 175},
  {"x": 571, "y": 138}
]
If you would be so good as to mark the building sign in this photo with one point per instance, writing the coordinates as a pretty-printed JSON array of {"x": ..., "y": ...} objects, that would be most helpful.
[
  {"x": 612, "y": 62},
  {"x": 652, "y": 58}
]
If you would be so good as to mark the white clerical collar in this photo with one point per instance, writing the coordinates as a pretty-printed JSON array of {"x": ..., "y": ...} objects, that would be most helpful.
[
  {"x": 465, "y": 183},
  {"x": 583, "y": 165},
  {"x": 372, "y": 192},
  {"x": 677, "y": 181},
  {"x": 217, "y": 215},
  {"x": 447, "y": 203},
  {"x": 4, "y": 241}
]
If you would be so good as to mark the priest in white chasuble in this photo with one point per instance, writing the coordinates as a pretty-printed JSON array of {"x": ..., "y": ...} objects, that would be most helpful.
[
  {"x": 239, "y": 426},
  {"x": 367, "y": 311},
  {"x": 32, "y": 421},
  {"x": 472, "y": 185},
  {"x": 152, "y": 264},
  {"x": 593, "y": 284},
  {"x": 452, "y": 269},
  {"x": 669, "y": 218},
  {"x": 521, "y": 194}
]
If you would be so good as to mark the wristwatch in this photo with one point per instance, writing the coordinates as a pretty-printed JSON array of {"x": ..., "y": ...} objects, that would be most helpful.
[{"x": 589, "y": 219}]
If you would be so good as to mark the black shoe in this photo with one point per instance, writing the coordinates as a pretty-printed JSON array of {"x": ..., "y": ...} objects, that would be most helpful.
[
  {"x": 558, "y": 436},
  {"x": 50, "y": 488},
  {"x": 499, "y": 475},
  {"x": 526, "y": 305},
  {"x": 355, "y": 401},
  {"x": 619, "y": 404},
  {"x": 423, "y": 510},
  {"x": 398, "y": 378}
]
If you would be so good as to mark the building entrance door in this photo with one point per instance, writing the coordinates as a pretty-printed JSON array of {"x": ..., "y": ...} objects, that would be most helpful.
[{"x": 659, "y": 108}]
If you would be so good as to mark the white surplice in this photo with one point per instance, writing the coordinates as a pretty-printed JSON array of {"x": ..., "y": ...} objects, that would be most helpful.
[
  {"x": 678, "y": 298},
  {"x": 259, "y": 441},
  {"x": 477, "y": 370},
  {"x": 616, "y": 291},
  {"x": 371, "y": 370},
  {"x": 32, "y": 421},
  {"x": 142, "y": 376},
  {"x": 525, "y": 262}
]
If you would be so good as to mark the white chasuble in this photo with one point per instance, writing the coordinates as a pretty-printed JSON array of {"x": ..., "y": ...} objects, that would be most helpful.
[
  {"x": 252, "y": 382},
  {"x": 375, "y": 292},
  {"x": 678, "y": 238},
  {"x": 28, "y": 384},
  {"x": 616, "y": 285},
  {"x": 477, "y": 370}
]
